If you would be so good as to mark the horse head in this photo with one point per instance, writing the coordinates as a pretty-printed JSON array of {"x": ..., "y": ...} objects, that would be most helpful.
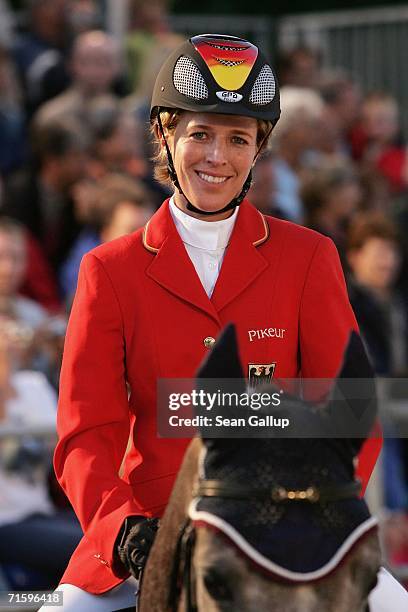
[{"x": 278, "y": 520}]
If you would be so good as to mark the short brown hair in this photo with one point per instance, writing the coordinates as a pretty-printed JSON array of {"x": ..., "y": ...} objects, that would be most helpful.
[
  {"x": 170, "y": 119},
  {"x": 371, "y": 224}
]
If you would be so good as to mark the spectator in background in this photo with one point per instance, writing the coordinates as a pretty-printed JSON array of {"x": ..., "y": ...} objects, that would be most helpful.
[
  {"x": 374, "y": 258},
  {"x": 119, "y": 206},
  {"x": 22, "y": 316},
  {"x": 373, "y": 254},
  {"x": 39, "y": 52},
  {"x": 377, "y": 193},
  {"x": 331, "y": 194},
  {"x": 262, "y": 191},
  {"x": 148, "y": 42},
  {"x": 13, "y": 261},
  {"x": 94, "y": 66},
  {"x": 83, "y": 15},
  {"x": 299, "y": 67},
  {"x": 39, "y": 283},
  {"x": 376, "y": 140},
  {"x": 116, "y": 140},
  {"x": 40, "y": 196},
  {"x": 118, "y": 145},
  {"x": 342, "y": 98},
  {"x": 12, "y": 119},
  {"x": 294, "y": 141}
]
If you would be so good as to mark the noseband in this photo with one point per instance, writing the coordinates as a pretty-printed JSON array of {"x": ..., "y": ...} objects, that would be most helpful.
[{"x": 183, "y": 574}]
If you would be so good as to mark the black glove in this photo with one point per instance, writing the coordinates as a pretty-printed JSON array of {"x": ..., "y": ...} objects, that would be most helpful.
[{"x": 135, "y": 541}]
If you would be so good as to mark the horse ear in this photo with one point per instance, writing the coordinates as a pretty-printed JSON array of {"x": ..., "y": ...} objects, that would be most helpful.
[
  {"x": 355, "y": 361},
  {"x": 353, "y": 401},
  {"x": 222, "y": 364}
]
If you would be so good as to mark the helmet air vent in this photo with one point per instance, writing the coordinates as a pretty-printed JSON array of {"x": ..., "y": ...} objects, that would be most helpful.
[
  {"x": 263, "y": 90},
  {"x": 188, "y": 80}
]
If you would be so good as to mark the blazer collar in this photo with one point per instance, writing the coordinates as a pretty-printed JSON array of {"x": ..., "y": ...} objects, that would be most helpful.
[
  {"x": 172, "y": 268},
  {"x": 161, "y": 224}
]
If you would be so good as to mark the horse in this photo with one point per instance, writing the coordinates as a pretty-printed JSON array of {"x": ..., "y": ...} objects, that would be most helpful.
[{"x": 268, "y": 524}]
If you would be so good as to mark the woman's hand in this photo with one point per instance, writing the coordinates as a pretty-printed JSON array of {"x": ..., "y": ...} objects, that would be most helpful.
[{"x": 135, "y": 541}]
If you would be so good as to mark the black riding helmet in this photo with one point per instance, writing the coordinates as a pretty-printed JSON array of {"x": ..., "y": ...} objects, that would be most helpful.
[{"x": 213, "y": 73}]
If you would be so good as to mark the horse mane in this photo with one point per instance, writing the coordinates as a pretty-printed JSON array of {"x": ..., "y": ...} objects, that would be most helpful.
[{"x": 162, "y": 560}]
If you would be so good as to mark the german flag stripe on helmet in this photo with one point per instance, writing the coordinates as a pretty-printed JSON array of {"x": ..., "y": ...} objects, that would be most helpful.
[{"x": 229, "y": 62}]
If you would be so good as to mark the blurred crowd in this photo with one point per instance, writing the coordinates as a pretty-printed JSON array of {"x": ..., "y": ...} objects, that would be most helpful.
[{"x": 76, "y": 171}]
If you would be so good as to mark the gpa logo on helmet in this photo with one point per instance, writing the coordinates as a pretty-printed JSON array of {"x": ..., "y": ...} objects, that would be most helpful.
[{"x": 229, "y": 96}]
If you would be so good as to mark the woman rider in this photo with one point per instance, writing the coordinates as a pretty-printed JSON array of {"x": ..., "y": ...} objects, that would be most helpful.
[{"x": 150, "y": 305}]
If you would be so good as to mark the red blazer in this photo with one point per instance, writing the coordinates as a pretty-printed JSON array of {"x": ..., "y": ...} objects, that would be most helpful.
[{"x": 140, "y": 313}]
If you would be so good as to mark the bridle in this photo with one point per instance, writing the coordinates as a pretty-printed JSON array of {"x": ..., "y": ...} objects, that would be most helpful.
[{"x": 183, "y": 574}]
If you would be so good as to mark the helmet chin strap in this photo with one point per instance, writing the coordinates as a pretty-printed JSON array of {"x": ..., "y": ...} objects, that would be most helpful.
[
  {"x": 233, "y": 204},
  {"x": 190, "y": 207}
]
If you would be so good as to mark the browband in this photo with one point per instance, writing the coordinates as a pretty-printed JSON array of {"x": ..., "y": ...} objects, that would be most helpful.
[{"x": 313, "y": 494}]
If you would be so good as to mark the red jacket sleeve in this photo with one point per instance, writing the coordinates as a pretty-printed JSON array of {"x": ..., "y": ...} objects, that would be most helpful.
[
  {"x": 93, "y": 411},
  {"x": 326, "y": 320}
]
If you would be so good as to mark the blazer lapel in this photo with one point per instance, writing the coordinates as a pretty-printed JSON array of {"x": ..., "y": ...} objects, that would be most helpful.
[
  {"x": 242, "y": 262},
  {"x": 172, "y": 267}
]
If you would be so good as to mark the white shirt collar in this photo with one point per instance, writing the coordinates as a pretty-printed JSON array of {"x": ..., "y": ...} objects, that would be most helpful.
[{"x": 209, "y": 236}]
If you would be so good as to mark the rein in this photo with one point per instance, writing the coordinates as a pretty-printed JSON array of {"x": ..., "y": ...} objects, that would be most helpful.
[
  {"x": 182, "y": 570},
  {"x": 182, "y": 573}
]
